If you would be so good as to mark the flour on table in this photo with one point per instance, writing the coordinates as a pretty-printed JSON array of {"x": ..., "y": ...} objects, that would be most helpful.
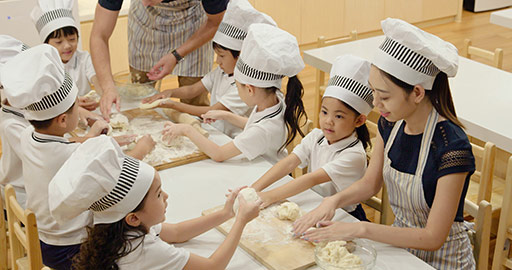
[{"x": 336, "y": 254}]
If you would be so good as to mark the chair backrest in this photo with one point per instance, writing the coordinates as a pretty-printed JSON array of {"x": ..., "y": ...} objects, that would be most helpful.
[
  {"x": 482, "y": 234},
  {"x": 22, "y": 239},
  {"x": 496, "y": 57},
  {"x": 484, "y": 174},
  {"x": 323, "y": 42},
  {"x": 502, "y": 249},
  {"x": 3, "y": 237}
]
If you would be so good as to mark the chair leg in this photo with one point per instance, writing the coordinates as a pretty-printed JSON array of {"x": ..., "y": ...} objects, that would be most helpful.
[{"x": 320, "y": 80}]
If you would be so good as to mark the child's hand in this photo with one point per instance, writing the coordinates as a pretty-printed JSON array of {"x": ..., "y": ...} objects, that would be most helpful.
[
  {"x": 161, "y": 95},
  {"x": 88, "y": 104},
  {"x": 146, "y": 144},
  {"x": 99, "y": 127},
  {"x": 125, "y": 139},
  {"x": 247, "y": 211},
  {"x": 212, "y": 116},
  {"x": 230, "y": 201},
  {"x": 265, "y": 199},
  {"x": 172, "y": 130}
]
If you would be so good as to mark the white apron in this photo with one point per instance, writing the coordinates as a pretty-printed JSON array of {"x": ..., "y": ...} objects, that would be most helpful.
[
  {"x": 407, "y": 200},
  {"x": 155, "y": 31}
]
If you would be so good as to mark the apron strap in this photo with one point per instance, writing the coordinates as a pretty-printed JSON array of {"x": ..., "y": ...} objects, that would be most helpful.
[{"x": 426, "y": 140}]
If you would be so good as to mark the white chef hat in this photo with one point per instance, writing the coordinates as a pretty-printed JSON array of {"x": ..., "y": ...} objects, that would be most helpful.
[
  {"x": 35, "y": 80},
  {"x": 99, "y": 177},
  {"x": 235, "y": 24},
  {"x": 268, "y": 54},
  {"x": 50, "y": 15},
  {"x": 413, "y": 55},
  {"x": 349, "y": 83},
  {"x": 9, "y": 47}
]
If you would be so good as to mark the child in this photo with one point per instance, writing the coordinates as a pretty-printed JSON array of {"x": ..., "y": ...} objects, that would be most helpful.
[
  {"x": 268, "y": 54},
  {"x": 56, "y": 26},
  {"x": 421, "y": 153},
  {"x": 128, "y": 205},
  {"x": 12, "y": 123},
  {"x": 227, "y": 43},
  {"x": 36, "y": 81},
  {"x": 335, "y": 154}
]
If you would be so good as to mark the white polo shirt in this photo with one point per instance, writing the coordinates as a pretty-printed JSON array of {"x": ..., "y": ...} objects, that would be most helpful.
[
  {"x": 154, "y": 254},
  {"x": 42, "y": 156},
  {"x": 81, "y": 70},
  {"x": 12, "y": 123},
  {"x": 344, "y": 161},
  {"x": 223, "y": 90},
  {"x": 264, "y": 133}
]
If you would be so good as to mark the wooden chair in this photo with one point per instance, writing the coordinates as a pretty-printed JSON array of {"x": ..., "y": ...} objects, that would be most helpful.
[
  {"x": 502, "y": 256},
  {"x": 480, "y": 187},
  {"x": 481, "y": 236},
  {"x": 320, "y": 75},
  {"x": 308, "y": 126},
  {"x": 22, "y": 239},
  {"x": 3, "y": 238},
  {"x": 496, "y": 57}
]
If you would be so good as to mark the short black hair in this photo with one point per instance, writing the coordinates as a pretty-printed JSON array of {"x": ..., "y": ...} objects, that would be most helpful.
[
  {"x": 64, "y": 31},
  {"x": 233, "y": 52},
  {"x": 44, "y": 124}
]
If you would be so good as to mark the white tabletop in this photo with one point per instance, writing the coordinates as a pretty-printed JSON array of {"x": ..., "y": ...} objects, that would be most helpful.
[
  {"x": 201, "y": 185},
  {"x": 482, "y": 94},
  {"x": 502, "y": 17}
]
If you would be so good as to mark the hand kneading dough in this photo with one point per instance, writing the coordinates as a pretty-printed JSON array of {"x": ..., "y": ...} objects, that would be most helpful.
[
  {"x": 154, "y": 104},
  {"x": 288, "y": 210},
  {"x": 185, "y": 118},
  {"x": 249, "y": 194},
  {"x": 336, "y": 254},
  {"x": 119, "y": 121},
  {"x": 172, "y": 142}
]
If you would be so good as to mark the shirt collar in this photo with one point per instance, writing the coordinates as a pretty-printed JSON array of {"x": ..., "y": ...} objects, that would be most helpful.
[
  {"x": 343, "y": 143},
  {"x": 269, "y": 112},
  {"x": 44, "y": 138},
  {"x": 72, "y": 63},
  {"x": 12, "y": 110}
]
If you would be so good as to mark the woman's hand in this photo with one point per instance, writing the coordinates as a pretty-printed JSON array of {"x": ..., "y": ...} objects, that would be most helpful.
[
  {"x": 325, "y": 211},
  {"x": 332, "y": 231}
]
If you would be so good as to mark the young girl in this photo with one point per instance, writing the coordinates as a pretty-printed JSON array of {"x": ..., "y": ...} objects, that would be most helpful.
[
  {"x": 335, "y": 154},
  {"x": 56, "y": 26},
  {"x": 220, "y": 83},
  {"x": 422, "y": 154},
  {"x": 268, "y": 54},
  {"x": 128, "y": 206}
]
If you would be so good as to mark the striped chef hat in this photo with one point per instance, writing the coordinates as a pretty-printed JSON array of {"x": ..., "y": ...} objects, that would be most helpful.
[
  {"x": 99, "y": 177},
  {"x": 413, "y": 55},
  {"x": 349, "y": 83},
  {"x": 50, "y": 15},
  {"x": 235, "y": 24},
  {"x": 9, "y": 47},
  {"x": 35, "y": 80},
  {"x": 268, "y": 54}
]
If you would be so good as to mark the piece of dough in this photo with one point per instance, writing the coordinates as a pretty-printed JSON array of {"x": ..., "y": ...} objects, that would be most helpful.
[
  {"x": 249, "y": 194},
  {"x": 154, "y": 104},
  {"x": 185, "y": 118},
  {"x": 93, "y": 95},
  {"x": 119, "y": 121},
  {"x": 288, "y": 211},
  {"x": 336, "y": 254}
]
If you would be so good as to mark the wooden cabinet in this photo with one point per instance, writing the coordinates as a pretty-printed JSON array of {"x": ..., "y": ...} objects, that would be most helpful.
[
  {"x": 286, "y": 13},
  {"x": 118, "y": 43}
]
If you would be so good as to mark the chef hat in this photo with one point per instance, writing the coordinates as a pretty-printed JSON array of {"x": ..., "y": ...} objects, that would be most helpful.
[
  {"x": 268, "y": 54},
  {"x": 99, "y": 177},
  {"x": 235, "y": 24},
  {"x": 413, "y": 55},
  {"x": 349, "y": 83},
  {"x": 35, "y": 80},
  {"x": 9, "y": 47},
  {"x": 51, "y": 15}
]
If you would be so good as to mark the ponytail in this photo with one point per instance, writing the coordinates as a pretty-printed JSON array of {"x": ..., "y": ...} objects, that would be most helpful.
[
  {"x": 107, "y": 243},
  {"x": 294, "y": 109},
  {"x": 440, "y": 96},
  {"x": 362, "y": 131}
]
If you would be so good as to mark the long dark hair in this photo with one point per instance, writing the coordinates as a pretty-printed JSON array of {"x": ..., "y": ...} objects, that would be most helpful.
[
  {"x": 294, "y": 108},
  {"x": 440, "y": 96},
  {"x": 64, "y": 32},
  {"x": 362, "y": 131},
  {"x": 107, "y": 243}
]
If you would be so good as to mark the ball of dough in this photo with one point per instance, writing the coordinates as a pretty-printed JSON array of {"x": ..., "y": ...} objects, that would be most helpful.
[
  {"x": 249, "y": 194},
  {"x": 336, "y": 254},
  {"x": 119, "y": 121},
  {"x": 288, "y": 211}
]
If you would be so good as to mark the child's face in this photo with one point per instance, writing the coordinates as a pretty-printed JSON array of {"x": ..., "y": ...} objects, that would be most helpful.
[
  {"x": 153, "y": 211},
  {"x": 225, "y": 60},
  {"x": 66, "y": 45},
  {"x": 337, "y": 121},
  {"x": 243, "y": 92},
  {"x": 392, "y": 101}
]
